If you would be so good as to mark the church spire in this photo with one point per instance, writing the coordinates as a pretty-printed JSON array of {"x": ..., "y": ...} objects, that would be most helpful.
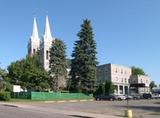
[
  {"x": 47, "y": 32},
  {"x": 35, "y": 30}
]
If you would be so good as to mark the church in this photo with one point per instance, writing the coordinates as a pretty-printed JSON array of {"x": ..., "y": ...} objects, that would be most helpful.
[{"x": 41, "y": 44}]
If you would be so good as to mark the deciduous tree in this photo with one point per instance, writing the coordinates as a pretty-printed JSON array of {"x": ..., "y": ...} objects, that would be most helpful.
[
  {"x": 29, "y": 73},
  {"x": 152, "y": 85},
  {"x": 137, "y": 71}
]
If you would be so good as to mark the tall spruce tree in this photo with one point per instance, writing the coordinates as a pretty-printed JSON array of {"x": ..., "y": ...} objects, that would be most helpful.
[
  {"x": 58, "y": 65},
  {"x": 83, "y": 66}
]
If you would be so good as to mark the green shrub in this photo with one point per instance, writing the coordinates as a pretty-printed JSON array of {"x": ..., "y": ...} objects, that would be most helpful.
[{"x": 5, "y": 96}]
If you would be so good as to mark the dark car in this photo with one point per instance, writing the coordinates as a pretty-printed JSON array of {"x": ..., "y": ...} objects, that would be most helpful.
[
  {"x": 105, "y": 97},
  {"x": 129, "y": 97},
  {"x": 147, "y": 96},
  {"x": 136, "y": 96}
]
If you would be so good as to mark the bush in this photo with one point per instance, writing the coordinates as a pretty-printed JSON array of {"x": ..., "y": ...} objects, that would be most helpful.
[
  {"x": 5, "y": 96},
  {"x": 100, "y": 90}
]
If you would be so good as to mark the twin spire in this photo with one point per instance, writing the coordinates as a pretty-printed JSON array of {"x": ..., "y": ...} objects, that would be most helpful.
[
  {"x": 35, "y": 30},
  {"x": 47, "y": 31}
]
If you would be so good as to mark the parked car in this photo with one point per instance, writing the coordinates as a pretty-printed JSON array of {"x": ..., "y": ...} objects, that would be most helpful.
[
  {"x": 155, "y": 95},
  {"x": 147, "y": 96},
  {"x": 129, "y": 97},
  {"x": 105, "y": 97},
  {"x": 120, "y": 97},
  {"x": 136, "y": 96}
]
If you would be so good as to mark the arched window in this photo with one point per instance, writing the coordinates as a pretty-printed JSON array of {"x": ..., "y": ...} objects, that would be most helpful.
[
  {"x": 47, "y": 54},
  {"x": 34, "y": 51}
]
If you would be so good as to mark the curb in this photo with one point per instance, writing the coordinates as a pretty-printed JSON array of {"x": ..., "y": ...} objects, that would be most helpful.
[{"x": 63, "y": 101}]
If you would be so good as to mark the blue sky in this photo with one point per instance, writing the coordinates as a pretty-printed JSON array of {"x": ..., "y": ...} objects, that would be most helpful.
[{"x": 127, "y": 32}]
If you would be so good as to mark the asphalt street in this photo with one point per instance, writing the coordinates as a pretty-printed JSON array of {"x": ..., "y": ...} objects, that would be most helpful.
[
  {"x": 140, "y": 108},
  {"x": 88, "y": 109},
  {"x": 7, "y": 111}
]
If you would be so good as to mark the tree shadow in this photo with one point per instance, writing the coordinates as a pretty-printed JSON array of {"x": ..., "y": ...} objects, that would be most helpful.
[
  {"x": 146, "y": 108},
  {"x": 157, "y": 103},
  {"x": 79, "y": 116},
  {"x": 6, "y": 105}
]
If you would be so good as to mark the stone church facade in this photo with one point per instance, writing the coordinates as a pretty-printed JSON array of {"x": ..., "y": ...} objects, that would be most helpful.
[{"x": 41, "y": 44}]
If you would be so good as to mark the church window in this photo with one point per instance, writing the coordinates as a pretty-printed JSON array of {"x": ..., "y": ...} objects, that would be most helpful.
[
  {"x": 47, "y": 54},
  {"x": 29, "y": 50},
  {"x": 34, "y": 51}
]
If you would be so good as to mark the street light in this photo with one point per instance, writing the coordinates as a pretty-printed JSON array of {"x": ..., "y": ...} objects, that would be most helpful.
[{"x": 128, "y": 112}]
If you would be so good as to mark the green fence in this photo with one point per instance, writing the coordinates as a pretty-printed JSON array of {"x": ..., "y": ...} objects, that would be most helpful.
[
  {"x": 21, "y": 95},
  {"x": 52, "y": 96}
]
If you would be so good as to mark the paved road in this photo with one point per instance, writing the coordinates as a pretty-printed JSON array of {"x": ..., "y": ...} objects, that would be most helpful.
[
  {"x": 140, "y": 108},
  {"x": 94, "y": 109},
  {"x": 16, "y": 112}
]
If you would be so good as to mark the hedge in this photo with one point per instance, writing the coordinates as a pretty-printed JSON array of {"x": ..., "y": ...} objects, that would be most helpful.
[{"x": 5, "y": 96}]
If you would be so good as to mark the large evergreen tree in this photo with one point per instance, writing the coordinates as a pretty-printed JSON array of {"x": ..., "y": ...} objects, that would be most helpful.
[
  {"x": 58, "y": 65},
  {"x": 83, "y": 66}
]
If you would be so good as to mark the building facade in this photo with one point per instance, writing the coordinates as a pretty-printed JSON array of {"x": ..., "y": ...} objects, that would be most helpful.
[
  {"x": 117, "y": 74},
  {"x": 42, "y": 45},
  {"x": 122, "y": 78},
  {"x": 142, "y": 82}
]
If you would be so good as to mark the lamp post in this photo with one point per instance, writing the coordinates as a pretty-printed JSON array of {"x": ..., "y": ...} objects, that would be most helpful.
[{"x": 128, "y": 112}]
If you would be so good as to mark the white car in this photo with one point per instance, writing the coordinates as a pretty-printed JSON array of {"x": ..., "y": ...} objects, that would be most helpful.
[
  {"x": 156, "y": 96},
  {"x": 120, "y": 97}
]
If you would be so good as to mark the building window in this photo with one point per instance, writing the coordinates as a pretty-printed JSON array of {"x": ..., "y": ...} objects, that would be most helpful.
[
  {"x": 122, "y": 80},
  {"x": 47, "y": 54},
  {"x": 125, "y": 80},
  {"x": 116, "y": 70},
  {"x": 121, "y": 89},
  {"x": 121, "y": 71},
  {"x": 34, "y": 51},
  {"x": 116, "y": 79}
]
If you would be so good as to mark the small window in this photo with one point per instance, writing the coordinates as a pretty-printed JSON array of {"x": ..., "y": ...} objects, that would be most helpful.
[
  {"x": 47, "y": 54},
  {"x": 146, "y": 81},
  {"x": 34, "y": 51},
  {"x": 117, "y": 79},
  {"x": 122, "y": 80},
  {"x": 116, "y": 70},
  {"x": 125, "y": 80},
  {"x": 121, "y": 71}
]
